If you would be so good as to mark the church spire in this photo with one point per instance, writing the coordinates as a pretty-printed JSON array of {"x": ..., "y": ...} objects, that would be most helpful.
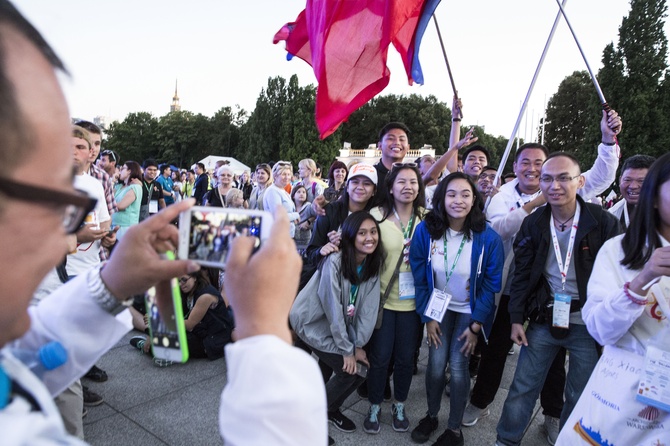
[{"x": 175, "y": 99}]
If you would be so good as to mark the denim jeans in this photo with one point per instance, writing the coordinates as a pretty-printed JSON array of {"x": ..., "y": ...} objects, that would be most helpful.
[
  {"x": 452, "y": 326},
  {"x": 532, "y": 369},
  {"x": 340, "y": 386},
  {"x": 396, "y": 337},
  {"x": 494, "y": 358}
]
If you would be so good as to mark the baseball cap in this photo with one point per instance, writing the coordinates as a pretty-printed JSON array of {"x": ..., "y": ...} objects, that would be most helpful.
[{"x": 363, "y": 169}]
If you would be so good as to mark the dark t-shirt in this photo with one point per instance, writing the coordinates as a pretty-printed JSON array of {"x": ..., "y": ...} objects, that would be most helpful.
[
  {"x": 151, "y": 191},
  {"x": 382, "y": 191}
]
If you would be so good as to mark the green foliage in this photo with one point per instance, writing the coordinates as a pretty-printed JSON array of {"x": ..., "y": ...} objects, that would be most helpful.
[
  {"x": 635, "y": 83},
  {"x": 135, "y": 138}
]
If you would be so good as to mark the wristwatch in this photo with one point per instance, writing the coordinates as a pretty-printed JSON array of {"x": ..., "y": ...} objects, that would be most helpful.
[{"x": 102, "y": 295}]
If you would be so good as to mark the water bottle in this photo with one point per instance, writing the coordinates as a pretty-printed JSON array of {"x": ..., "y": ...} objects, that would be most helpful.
[{"x": 48, "y": 357}]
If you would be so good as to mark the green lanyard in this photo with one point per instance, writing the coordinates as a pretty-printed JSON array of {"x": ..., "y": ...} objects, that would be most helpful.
[
  {"x": 406, "y": 232},
  {"x": 458, "y": 256}
]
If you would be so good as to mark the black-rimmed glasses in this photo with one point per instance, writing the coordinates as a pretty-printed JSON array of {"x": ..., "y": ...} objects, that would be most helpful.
[
  {"x": 77, "y": 205},
  {"x": 399, "y": 165}
]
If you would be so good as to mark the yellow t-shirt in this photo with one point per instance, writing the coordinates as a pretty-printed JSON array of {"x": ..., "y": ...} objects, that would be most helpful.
[{"x": 393, "y": 242}]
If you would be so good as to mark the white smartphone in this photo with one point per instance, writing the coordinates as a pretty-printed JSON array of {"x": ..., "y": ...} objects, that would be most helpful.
[
  {"x": 205, "y": 233},
  {"x": 166, "y": 321}
]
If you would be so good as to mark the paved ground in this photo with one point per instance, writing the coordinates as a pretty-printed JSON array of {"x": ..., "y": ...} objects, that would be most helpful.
[{"x": 179, "y": 405}]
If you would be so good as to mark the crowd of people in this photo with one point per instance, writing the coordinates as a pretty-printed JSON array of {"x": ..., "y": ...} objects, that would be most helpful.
[{"x": 394, "y": 254}]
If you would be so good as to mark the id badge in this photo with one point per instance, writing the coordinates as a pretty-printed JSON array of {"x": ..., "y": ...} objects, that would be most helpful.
[
  {"x": 561, "y": 317},
  {"x": 153, "y": 206},
  {"x": 406, "y": 285},
  {"x": 437, "y": 305},
  {"x": 654, "y": 388}
]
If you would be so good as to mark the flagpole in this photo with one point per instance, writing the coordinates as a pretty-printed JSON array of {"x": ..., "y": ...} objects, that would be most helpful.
[
  {"x": 510, "y": 142},
  {"x": 588, "y": 67},
  {"x": 446, "y": 60}
]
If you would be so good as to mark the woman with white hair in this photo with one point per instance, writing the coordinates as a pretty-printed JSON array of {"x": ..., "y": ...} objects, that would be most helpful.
[
  {"x": 217, "y": 196},
  {"x": 282, "y": 172}
]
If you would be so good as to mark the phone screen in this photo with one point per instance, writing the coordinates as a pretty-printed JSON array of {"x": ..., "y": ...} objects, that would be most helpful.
[
  {"x": 166, "y": 322},
  {"x": 212, "y": 230}
]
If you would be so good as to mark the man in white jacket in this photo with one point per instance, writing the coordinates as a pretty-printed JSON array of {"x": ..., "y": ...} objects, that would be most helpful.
[
  {"x": 633, "y": 172},
  {"x": 515, "y": 201},
  {"x": 39, "y": 207}
]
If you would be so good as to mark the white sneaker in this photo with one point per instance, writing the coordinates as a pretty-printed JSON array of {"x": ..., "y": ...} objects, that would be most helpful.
[
  {"x": 472, "y": 414},
  {"x": 551, "y": 426}
]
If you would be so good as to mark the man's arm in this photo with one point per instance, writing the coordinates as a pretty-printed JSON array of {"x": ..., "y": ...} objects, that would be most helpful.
[
  {"x": 455, "y": 135},
  {"x": 445, "y": 160},
  {"x": 603, "y": 172}
]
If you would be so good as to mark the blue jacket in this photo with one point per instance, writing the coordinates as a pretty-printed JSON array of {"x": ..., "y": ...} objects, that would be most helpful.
[{"x": 488, "y": 257}]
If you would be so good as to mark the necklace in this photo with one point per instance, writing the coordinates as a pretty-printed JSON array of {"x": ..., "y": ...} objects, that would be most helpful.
[{"x": 563, "y": 224}]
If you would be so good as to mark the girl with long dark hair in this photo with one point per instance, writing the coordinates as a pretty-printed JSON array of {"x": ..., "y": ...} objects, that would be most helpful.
[
  {"x": 336, "y": 312},
  {"x": 623, "y": 313},
  {"x": 128, "y": 196},
  {"x": 399, "y": 327},
  {"x": 457, "y": 256}
]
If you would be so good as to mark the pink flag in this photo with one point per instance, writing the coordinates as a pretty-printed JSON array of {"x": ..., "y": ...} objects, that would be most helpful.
[{"x": 346, "y": 43}]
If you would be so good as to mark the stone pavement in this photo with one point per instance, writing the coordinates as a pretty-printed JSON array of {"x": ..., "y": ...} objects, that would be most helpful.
[{"x": 179, "y": 405}]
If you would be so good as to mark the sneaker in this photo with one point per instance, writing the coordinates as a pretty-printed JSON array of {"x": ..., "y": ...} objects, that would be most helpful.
[
  {"x": 341, "y": 422},
  {"x": 371, "y": 422},
  {"x": 400, "y": 421},
  {"x": 138, "y": 342},
  {"x": 426, "y": 426},
  {"x": 473, "y": 413},
  {"x": 449, "y": 438},
  {"x": 387, "y": 390},
  {"x": 160, "y": 362},
  {"x": 96, "y": 374},
  {"x": 551, "y": 426},
  {"x": 511, "y": 350},
  {"x": 91, "y": 398}
]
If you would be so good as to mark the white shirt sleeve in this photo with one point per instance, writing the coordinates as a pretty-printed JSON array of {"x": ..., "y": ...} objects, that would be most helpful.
[
  {"x": 504, "y": 221},
  {"x": 274, "y": 396},
  {"x": 603, "y": 172}
]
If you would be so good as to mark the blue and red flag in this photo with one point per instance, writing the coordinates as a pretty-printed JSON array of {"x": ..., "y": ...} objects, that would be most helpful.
[{"x": 346, "y": 43}]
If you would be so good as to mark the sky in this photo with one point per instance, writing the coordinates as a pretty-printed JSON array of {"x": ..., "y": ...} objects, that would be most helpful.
[{"x": 125, "y": 55}]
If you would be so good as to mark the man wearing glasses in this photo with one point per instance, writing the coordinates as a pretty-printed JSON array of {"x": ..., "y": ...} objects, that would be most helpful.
[{"x": 554, "y": 253}]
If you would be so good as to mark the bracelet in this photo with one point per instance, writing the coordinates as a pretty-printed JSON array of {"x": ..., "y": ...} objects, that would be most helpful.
[
  {"x": 609, "y": 143},
  {"x": 456, "y": 120},
  {"x": 633, "y": 297},
  {"x": 472, "y": 331},
  {"x": 99, "y": 291}
]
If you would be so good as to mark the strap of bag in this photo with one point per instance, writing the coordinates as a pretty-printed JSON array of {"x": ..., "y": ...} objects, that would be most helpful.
[{"x": 394, "y": 277}]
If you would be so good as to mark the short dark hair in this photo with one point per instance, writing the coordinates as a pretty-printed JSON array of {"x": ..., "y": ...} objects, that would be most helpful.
[
  {"x": 641, "y": 238},
  {"x": 331, "y": 172},
  {"x": 637, "y": 162},
  {"x": 477, "y": 148},
  {"x": 14, "y": 132},
  {"x": 373, "y": 262},
  {"x": 437, "y": 220},
  {"x": 567, "y": 155},
  {"x": 164, "y": 166},
  {"x": 149, "y": 162},
  {"x": 201, "y": 166},
  {"x": 393, "y": 125},
  {"x": 489, "y": 167},
  {"x": 92, "y": 128},
  {"x": 531, "y": 145}
]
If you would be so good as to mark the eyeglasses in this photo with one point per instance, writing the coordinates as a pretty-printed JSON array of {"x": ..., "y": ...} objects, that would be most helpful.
[
  {"x": 183, "y": 280},
  {"x": 399, "y": 165},
  {"x": 77, "y": 205},
  {"x": 109, "y": 154},
  {"x": 284, "y": 163},
  {"x": 490, "y": 177},
  {"x": 563, "y": 179}
]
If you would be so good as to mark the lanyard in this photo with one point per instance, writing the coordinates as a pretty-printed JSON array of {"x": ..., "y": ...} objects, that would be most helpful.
[
  {"x": 406, "y": 232},
  {"x": 571, "y": 243},
  {"x": 519, "y": 202},
  {"x": 148, "y": 187},
  {"x": 458, "y": 256}
]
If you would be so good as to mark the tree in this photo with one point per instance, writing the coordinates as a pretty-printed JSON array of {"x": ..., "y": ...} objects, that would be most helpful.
[
  {"x": 134, "y": 138},
  {"x": 225, "y": 132}
]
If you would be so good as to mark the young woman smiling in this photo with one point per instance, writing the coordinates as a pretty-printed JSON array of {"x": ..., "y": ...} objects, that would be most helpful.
[{"x": 457, "y": 255}]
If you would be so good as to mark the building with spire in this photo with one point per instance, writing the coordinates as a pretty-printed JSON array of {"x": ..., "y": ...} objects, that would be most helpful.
[{"x": 175, "y": 100}]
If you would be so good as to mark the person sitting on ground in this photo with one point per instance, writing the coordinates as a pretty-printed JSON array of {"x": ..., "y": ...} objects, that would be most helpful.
[
  {"x": 335, "y": 314},
  {"x": 207, "y": 320}
]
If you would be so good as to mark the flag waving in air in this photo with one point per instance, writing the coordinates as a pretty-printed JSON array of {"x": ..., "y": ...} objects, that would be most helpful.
[{"x": 346, "y": 43}]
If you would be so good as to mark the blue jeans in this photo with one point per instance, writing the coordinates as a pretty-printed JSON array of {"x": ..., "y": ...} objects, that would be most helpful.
[
  {"x": 397, "y": 336},
  {"x": 452, "y": 326},
  {"x": 532, "y": 369}
]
